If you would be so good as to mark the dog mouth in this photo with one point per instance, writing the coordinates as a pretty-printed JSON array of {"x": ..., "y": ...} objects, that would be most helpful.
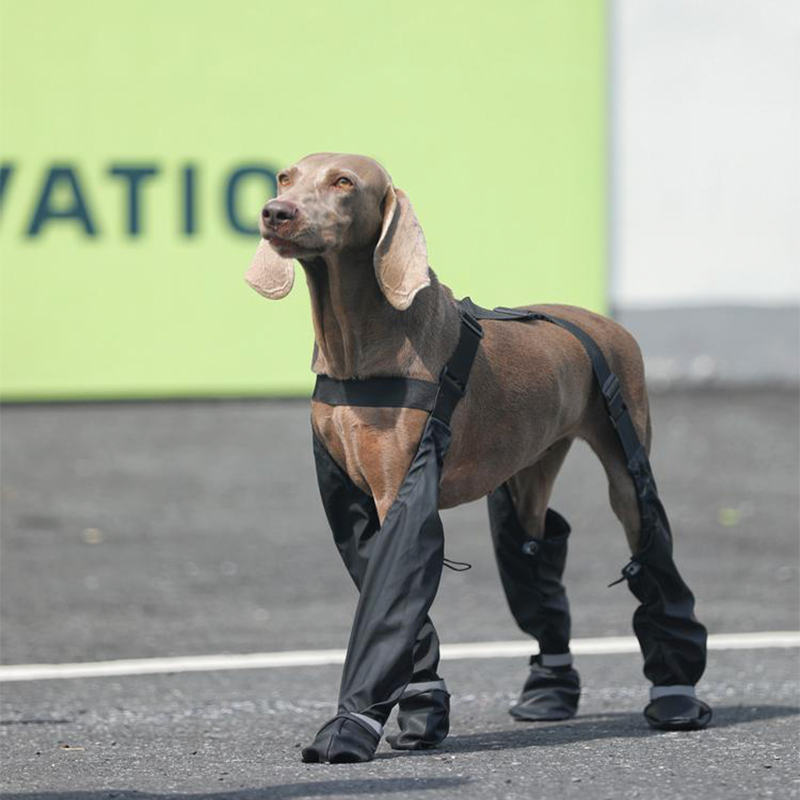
[{"x": 286, "y": 248}]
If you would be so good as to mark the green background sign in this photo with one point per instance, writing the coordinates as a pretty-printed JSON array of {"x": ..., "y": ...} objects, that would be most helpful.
[{"x": 139, "y": 141}]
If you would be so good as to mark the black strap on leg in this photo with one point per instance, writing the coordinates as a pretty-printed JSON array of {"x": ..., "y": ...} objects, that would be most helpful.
[
  {"x": 636, "y": 459},
  {"x": 607, "y": 380},
  {"x": 673, "y": 642},
  {"x": 609, "y": 385}
]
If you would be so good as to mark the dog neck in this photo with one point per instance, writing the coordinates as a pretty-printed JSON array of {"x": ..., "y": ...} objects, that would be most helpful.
[{"x": 358, "y": 334}]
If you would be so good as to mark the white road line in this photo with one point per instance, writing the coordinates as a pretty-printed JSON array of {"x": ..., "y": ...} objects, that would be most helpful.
[{"x": 607, "y": 645}]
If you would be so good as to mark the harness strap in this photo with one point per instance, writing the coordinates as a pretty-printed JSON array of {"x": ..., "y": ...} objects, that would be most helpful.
[
  {"x": 607, "y": 380},
  {"x": 455, "y": 375},
  {"x": 381, "y": 392},
  {"x": 440, "y": 399}
]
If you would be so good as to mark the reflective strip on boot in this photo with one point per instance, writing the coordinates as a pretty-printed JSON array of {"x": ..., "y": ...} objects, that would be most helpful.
[
  {"x": 666, "y": 691},
  {"x": 423, "y": 686},
  {"x": 373, "y": 723},
  {"x": 557, "y": 660}
]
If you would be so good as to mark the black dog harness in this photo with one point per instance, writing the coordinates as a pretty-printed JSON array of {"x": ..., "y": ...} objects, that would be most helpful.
[
  {"x": 397, "y": 565},
  {"x": 440, "y": 399}
]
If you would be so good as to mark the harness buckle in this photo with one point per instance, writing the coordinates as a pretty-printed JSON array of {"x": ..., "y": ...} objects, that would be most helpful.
[
  {"x": 452, "y": 381},
  {"x": 472, "y": 324},
  {"x": 630, "y": 570},
  {"x": 531, "y": 547},
  {"x": 613, "y": 397}
]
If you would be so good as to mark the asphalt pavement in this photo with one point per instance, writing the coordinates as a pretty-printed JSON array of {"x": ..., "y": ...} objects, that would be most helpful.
[{"x": 160, "y": 529}]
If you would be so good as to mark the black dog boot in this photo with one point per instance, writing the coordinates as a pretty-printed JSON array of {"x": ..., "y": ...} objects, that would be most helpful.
[
  {"x": 423, "y": 716},
  {"x": 346, "y": 739},
  {"x": 551, "y": 692},
  {"x": 531, "y": 572},
  {"x": 675, "y": 708},
  {"x": 672, "y": 640}
]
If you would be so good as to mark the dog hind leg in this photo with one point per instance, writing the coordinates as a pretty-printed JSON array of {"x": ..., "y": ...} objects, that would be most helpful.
[
  {"x": 672, "y": 641},
  {"x": 530, "y": 543}
]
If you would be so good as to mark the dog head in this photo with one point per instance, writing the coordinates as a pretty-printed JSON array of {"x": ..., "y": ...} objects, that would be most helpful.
[{"x": 331, "y": 203}]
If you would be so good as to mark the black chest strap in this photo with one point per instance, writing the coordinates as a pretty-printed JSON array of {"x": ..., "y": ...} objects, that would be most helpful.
[
  {"x": 376, "y": 392},
  {"x": 440, "y": 399}
]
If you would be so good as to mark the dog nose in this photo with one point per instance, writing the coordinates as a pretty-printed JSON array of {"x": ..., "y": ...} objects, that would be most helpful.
[{"x": 277, "y": 211}]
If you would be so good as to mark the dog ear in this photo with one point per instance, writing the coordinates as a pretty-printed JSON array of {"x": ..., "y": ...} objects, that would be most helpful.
[
  {"x": 269, "y": 274},
  {"x": 401, "y": 257}
]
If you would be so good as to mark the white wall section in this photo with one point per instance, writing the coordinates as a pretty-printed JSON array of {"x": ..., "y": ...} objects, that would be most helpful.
[{"x": 705, "y": 153}]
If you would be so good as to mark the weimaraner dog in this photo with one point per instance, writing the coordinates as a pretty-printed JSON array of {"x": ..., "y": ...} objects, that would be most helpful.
[{"x": 379, "y": 311}]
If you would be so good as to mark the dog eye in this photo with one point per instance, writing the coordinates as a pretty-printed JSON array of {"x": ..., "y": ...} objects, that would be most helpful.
[
  {"x": 283, "y": 179},
  {"x": 343, "y": 183}
]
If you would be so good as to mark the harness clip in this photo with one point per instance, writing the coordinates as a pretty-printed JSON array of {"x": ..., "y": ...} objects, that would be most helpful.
[
  {"x": 472, "y": 323},
  {"x": 452, "y": 381},
  {"x": 531, "y": 547},
  {"x": 613, "y": 397},
  {"x": 630, "y": 570}
]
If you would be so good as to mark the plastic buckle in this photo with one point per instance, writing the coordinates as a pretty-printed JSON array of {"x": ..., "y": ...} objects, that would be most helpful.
[
  {"x": 452, "y": 381},
  {"x": 613, "y": 397},
  {"x": 518, "y": 314},
  {"x": 472, "y": 324},
  {"x": 531, "y": 547},
  {"x": 630, "y": 570}
]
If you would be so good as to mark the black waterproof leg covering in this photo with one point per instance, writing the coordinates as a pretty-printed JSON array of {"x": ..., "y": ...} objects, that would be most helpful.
[
  {"x": 531, "y": 572},
  {"x": 399, "y": 584},
  {"x": 673, "y": 642},
  {"x": 354, "y": 522},
  {"x": 423, "y": 716}
]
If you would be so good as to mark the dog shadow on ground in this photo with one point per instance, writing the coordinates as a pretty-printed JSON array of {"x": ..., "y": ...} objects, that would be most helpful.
[
  {"x": 286, "y": 791},
  {"x": 587, "y": 728},
  {"x": 592, "y": 727}
]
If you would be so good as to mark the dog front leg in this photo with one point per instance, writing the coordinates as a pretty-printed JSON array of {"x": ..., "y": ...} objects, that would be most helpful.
[{"x": 423, "y": 716}]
